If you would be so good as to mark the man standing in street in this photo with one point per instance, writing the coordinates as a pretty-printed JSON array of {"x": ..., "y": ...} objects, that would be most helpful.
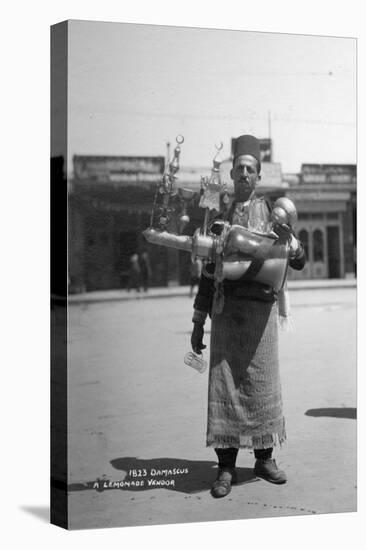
[{"x": 244, "y": 394}]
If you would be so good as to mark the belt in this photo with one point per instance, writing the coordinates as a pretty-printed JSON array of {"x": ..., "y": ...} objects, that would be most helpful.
[{"x": 250, "y": 291}]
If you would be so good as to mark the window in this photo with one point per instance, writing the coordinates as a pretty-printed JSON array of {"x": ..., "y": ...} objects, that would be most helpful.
[{"x": 318, "y": 246}]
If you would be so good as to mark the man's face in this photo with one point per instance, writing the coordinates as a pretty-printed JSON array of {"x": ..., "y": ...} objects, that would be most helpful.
[{"x": 245, "y": 176}]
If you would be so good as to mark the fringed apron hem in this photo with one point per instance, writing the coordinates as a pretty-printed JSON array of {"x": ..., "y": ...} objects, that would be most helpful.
[{"x": 247, "y": 441}]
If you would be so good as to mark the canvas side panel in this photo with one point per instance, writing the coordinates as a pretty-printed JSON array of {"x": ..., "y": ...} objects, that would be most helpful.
[{"x": 59, "y": 50}]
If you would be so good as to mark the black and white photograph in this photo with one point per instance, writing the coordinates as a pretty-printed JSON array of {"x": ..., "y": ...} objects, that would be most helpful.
[
  {"x": 204, "y": 338},
  {"x": 182, "y": 178},
  {"x": 209, "y": 185}
]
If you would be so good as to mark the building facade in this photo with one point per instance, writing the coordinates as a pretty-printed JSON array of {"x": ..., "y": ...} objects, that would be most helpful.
[
  {"x": 326, "y": 201},
  {"x": 110, "y": 202}
]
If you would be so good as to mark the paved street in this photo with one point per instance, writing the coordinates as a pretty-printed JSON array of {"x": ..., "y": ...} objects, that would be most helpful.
[{"x": 137, "y": 413}]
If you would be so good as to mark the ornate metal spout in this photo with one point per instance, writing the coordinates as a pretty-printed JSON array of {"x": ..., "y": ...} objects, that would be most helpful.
[
  {"x": 166, "y": 190},
  {"x": 232, "y": 248},
  {"x": 211, "y": 188},
  {"x": 171, "y": 240},
  {"x": 174, "y": 164}
]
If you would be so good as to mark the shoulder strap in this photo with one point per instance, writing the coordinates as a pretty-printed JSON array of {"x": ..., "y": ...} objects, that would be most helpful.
[{"x": 252, "y": 270}]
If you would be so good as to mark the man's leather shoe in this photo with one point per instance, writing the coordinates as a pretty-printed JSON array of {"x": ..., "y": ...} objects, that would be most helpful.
[
  {"x": 267, "y": 469},
  {"x": 222, "y": 486}
]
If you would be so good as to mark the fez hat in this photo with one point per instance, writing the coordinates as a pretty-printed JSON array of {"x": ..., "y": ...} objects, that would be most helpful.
[{"x": 247, "y": 145}]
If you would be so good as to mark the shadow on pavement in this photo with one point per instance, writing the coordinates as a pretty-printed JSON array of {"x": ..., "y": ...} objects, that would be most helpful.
[
  {"x": 336, "y": 412},
  {"x": 185, "y": 476},
  {"x": 41, "y": 512}
]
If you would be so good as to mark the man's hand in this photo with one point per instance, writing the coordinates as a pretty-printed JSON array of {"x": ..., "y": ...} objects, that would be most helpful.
[
  {"x": 283, "y": 231},
  {"x": 197, "y": 338},
  {"x": 295, "y": 247}
]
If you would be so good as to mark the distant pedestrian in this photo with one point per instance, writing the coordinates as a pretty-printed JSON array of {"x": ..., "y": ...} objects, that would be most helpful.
[
  {"x": 196, "y": 269},
  {"x": 134, "y": 279},
  {"x": 145, "y": 269}
]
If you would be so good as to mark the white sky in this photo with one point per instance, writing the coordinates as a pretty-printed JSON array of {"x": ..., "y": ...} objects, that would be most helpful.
[{"x": 132, "y": 88}]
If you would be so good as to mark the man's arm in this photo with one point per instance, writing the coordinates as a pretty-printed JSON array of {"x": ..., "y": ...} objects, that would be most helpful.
[
  {"x": 206, "y": 288},
  {"x": 297, "y": 258},
  {"x": 202, "y": 307}
]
